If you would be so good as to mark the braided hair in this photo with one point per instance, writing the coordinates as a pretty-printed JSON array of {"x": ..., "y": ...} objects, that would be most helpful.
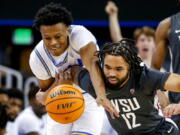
[{"x": 125, "y": 48}]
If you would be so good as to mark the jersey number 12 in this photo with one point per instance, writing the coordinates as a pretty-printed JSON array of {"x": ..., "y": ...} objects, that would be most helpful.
[{"x": 130, "y": 116}]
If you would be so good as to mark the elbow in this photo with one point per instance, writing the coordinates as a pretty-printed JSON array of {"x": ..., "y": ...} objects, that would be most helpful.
[
  {"x": 178, "y": 87},
  {"x": 93, "y": 64}
]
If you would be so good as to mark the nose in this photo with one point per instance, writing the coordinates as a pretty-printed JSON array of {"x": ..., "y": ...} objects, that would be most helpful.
[
  {"x": 112, "y": 73},
  {"x": 16, "y": 110},
  {"x": 54, "y": 42}
]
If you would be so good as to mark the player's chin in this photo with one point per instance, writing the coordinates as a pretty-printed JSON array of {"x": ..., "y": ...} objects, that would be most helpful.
[
  {"x": 12, "y": 117},
  {"x": 112, "y": 82},
  {"x": 55, "y": 52}
]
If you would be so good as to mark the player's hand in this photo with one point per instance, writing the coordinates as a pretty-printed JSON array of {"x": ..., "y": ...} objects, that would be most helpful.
[
  {"x": 41, "y": 96},
  {"x": 171, "y": 109},
  {"x": 65, "y": 77},
  {"x": 108, "y": 106},
  {"x": 111, "y": 8}
]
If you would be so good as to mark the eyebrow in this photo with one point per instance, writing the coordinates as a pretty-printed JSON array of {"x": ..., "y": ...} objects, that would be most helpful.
[
  {"x": 115, "y": 67},
  {"x": 57, "y": 34}
]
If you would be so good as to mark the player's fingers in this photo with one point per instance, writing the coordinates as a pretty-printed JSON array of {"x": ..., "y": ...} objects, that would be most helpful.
[
  {"x": 167, "y": 111},
  {"x": 112, "y": 115},
  {"x": 61, "y": 75},
  {"x": 175, "y": 112},
  {"x": 100, "y": 101},
  {"x": 66, "y": 75},
  {"x": 171, "y": 110},
  {"x": 40, "y": 97},
  {"x": 115, "y": 112},
  {"x": 110, "y": 111},
  {"x": 56, "y": 76},
  {"x": 69, "y": 69}
]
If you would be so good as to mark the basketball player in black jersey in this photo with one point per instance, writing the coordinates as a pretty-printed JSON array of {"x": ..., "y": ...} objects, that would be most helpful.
[
  {"x": 168, "y": 36},
  {"x": 130, "y": 87}
]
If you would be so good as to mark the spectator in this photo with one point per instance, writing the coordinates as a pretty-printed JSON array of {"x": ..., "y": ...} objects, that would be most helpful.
[
  {"x": 3, "y": 97},
  {"x": 31, "y": 121},
  {"x": 3, "y": 114},
  {"x": 14, "y": 107}
]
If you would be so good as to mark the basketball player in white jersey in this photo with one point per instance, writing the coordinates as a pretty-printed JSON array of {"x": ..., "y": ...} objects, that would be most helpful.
[{"x": 64, "y": 45}]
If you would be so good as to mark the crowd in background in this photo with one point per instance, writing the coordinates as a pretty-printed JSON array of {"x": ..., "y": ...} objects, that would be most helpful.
[{"x": 15, "y": 119}]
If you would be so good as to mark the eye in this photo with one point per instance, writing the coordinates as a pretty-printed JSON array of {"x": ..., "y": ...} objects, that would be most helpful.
[
  {"x": 57, "y": 37},
  {"x": 107, "y": 67},
  {"x": 119, "y": 69},
  {"x": 47, "y": 38}
]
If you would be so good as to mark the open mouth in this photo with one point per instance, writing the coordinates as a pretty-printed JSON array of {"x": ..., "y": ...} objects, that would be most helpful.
[{"x": 145, "y": 49}]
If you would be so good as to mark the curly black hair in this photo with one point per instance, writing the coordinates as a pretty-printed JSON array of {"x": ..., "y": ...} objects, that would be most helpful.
[
  {"x": 15, "y": 93},
  {"x": 52, "y": 14},
  {"x": 125, "y": 48}
]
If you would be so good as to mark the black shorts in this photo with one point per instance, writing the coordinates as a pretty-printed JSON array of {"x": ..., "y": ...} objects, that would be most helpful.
[{"x": 166, "y": 128}]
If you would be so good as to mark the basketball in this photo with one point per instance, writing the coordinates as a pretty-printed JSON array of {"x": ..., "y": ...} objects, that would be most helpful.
[{"x": 65, "y": 104}]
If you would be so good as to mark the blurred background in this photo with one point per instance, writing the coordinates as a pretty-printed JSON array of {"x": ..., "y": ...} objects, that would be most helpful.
[{"x": 18, "y": 37}]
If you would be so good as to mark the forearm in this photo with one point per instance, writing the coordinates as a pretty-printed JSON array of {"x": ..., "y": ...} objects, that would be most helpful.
[
  {"x": 43, "y": 92},
  {"x": 158, "y": 58},
  {"x": 161, "y": 40},
  {"x": 163, "y": 99},
  {"x": 97, "y": 81},
  {"x": 115, "y": 30},
  {"x": 178, "y": 108}
]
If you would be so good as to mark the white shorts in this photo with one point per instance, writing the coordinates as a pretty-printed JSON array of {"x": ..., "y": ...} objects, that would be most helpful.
[
  {"x": 107, "y": 128},
  {"x": 90, "y": 123}
]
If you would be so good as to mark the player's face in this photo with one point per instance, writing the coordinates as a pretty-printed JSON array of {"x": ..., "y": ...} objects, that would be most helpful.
[
  {"x": 116, "y": 70},
  {"x": 145, "y": 45},
  {"x": 55, "y": 37},
  {"x": 14, "y": 107}
]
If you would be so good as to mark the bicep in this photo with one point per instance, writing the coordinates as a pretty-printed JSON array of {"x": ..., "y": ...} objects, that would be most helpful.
[
  {"x": 45, "y": 84},
  {"x": 161, "y": 38},
  {"x": 87, "y": 54},
  {"x": 37, "y": 67},
  {"x": 173, "y": 83}
]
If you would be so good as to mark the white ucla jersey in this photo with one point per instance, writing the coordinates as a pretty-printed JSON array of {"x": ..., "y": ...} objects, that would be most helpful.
[{"x": 44, "y": 65}]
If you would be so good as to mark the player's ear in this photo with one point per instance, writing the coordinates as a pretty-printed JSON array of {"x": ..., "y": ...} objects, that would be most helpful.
[{"x": 68, "y": 30}]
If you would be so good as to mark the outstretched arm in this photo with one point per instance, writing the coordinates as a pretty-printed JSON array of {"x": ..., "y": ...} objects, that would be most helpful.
[
  {"x": 171, "y": 109},
  {"x": 173, "y": 83},
  {"x": 90, "y": 62},
  {"x": 115, "y": 30},
  {"x": 45, "y": 86},
  {"x": 161, "y": 37}
]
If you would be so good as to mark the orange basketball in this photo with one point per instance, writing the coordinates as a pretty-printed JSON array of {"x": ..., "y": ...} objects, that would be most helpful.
[{"x": 65, "y": 104}]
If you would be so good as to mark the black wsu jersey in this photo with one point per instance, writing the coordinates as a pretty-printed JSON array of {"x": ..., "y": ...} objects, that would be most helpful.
[
  {"x": 174, "y": 46},
  {"x": 135, "y": 102}
]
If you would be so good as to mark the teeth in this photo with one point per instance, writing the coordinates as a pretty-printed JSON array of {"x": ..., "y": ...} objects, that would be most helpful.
[{"x": 54, "y": 48}]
